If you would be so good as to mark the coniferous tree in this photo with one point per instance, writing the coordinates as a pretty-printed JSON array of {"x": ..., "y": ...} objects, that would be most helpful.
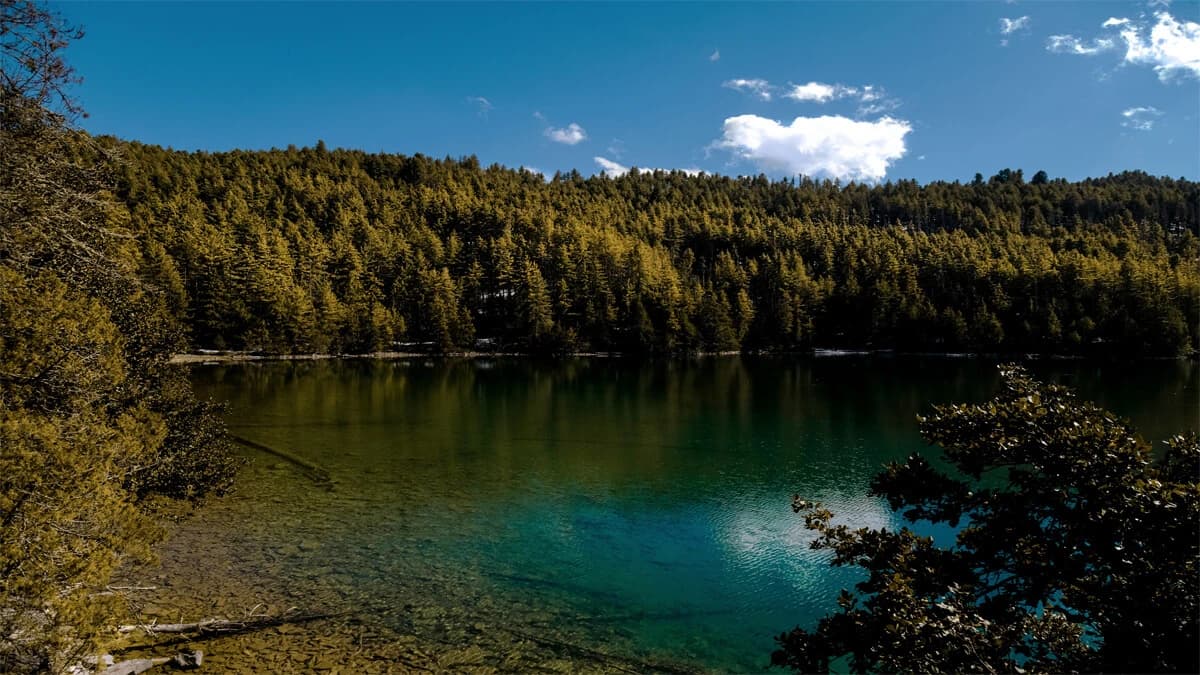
[
  {"x": 93, "y": 421},
  {"x": 1099, "y": 266}
]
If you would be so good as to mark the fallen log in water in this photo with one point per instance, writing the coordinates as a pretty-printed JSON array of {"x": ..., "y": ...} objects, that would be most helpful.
[
  {"x": 315, "y": 472},
  {"x": 224, "y": 626},
  {"x": 206, "y": 626},
  {"x": 134, "y": 666}
]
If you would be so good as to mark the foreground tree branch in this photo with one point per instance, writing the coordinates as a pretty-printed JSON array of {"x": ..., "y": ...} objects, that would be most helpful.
[{"x": 1077, "y": 549}]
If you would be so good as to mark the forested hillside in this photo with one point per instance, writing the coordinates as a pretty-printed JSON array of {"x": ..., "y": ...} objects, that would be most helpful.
[{"x": 312, "y": 250}]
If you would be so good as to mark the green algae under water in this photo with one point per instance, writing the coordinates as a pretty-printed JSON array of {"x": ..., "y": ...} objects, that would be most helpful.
[{"x": 639, "y": 509}]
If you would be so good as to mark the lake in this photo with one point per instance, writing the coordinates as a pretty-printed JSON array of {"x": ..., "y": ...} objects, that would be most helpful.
[{"x": 586, "y": 514}]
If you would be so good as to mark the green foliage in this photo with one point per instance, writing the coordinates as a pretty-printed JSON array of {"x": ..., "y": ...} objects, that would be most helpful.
[
  {"x": 93, "y": 422},
  {"x": 333, "y": 250},
  {"x": 1077, "y": 552}
]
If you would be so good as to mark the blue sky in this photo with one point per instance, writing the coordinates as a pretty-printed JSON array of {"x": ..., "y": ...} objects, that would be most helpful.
[{"x": 866, "y": 91}]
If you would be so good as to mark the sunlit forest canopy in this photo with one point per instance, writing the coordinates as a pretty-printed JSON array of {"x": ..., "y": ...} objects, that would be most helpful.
[{"x": 316, "y": 250}]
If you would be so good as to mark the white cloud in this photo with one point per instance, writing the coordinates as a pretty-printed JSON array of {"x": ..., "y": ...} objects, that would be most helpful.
[
  {"x": 1141, "y": 118},
  {"x": 880, "y": 106},
  {"x": 1010, "y": 26},
  {"x": 571, "y": 134},
  {"x": 715, "y": 56},
  {"x": 481, "y": 103},
  {"x": 758, "y": 87},
  {"x": 615, "y": 170},
  {"x": 610, "y": 168},
  {"x": 1069, "y": 44},
  {"x": 537, "y": 115},
  {"x": 819, "y": 92},
  {"x": 1170, "y": 46},
  {"x": 871, "y": 93},
  {"x": 872, "y": 99},
  {"x": 833, "y": 146}
]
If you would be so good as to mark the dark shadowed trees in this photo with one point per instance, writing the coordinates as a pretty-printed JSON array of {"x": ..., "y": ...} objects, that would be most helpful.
[{"x": 1076, "y": 549}]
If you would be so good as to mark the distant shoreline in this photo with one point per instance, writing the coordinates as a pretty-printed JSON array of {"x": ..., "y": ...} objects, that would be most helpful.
[
  {"x": 252, "y": 357},
  {"x": 228, "y": 357}
]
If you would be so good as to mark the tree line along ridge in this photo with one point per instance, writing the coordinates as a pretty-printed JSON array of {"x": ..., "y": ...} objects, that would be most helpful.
[{"x": 317, "y": 250}]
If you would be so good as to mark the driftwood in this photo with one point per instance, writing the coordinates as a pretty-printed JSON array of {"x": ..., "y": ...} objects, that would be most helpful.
[
  {"x": 206, "y": 626},
  {"x": 115, "y": 590},
  {"x": 215, "y": 626},
  {"x": 314, "y": 471},
  {"x": 134, "y": 666}
]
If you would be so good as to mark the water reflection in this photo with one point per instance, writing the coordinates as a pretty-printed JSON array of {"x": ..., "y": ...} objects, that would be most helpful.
[{"x": 637, "y": 507}]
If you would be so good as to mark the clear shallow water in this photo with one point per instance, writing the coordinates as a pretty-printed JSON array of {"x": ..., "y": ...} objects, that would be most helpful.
[{"x": 639, "y": 509}]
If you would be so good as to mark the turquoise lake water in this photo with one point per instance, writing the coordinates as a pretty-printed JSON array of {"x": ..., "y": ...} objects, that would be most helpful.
[{"x": 634, "y": 508}]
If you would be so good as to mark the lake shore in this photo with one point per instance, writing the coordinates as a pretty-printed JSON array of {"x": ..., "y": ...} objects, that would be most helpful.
[{"x": 215, "y": 357}]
